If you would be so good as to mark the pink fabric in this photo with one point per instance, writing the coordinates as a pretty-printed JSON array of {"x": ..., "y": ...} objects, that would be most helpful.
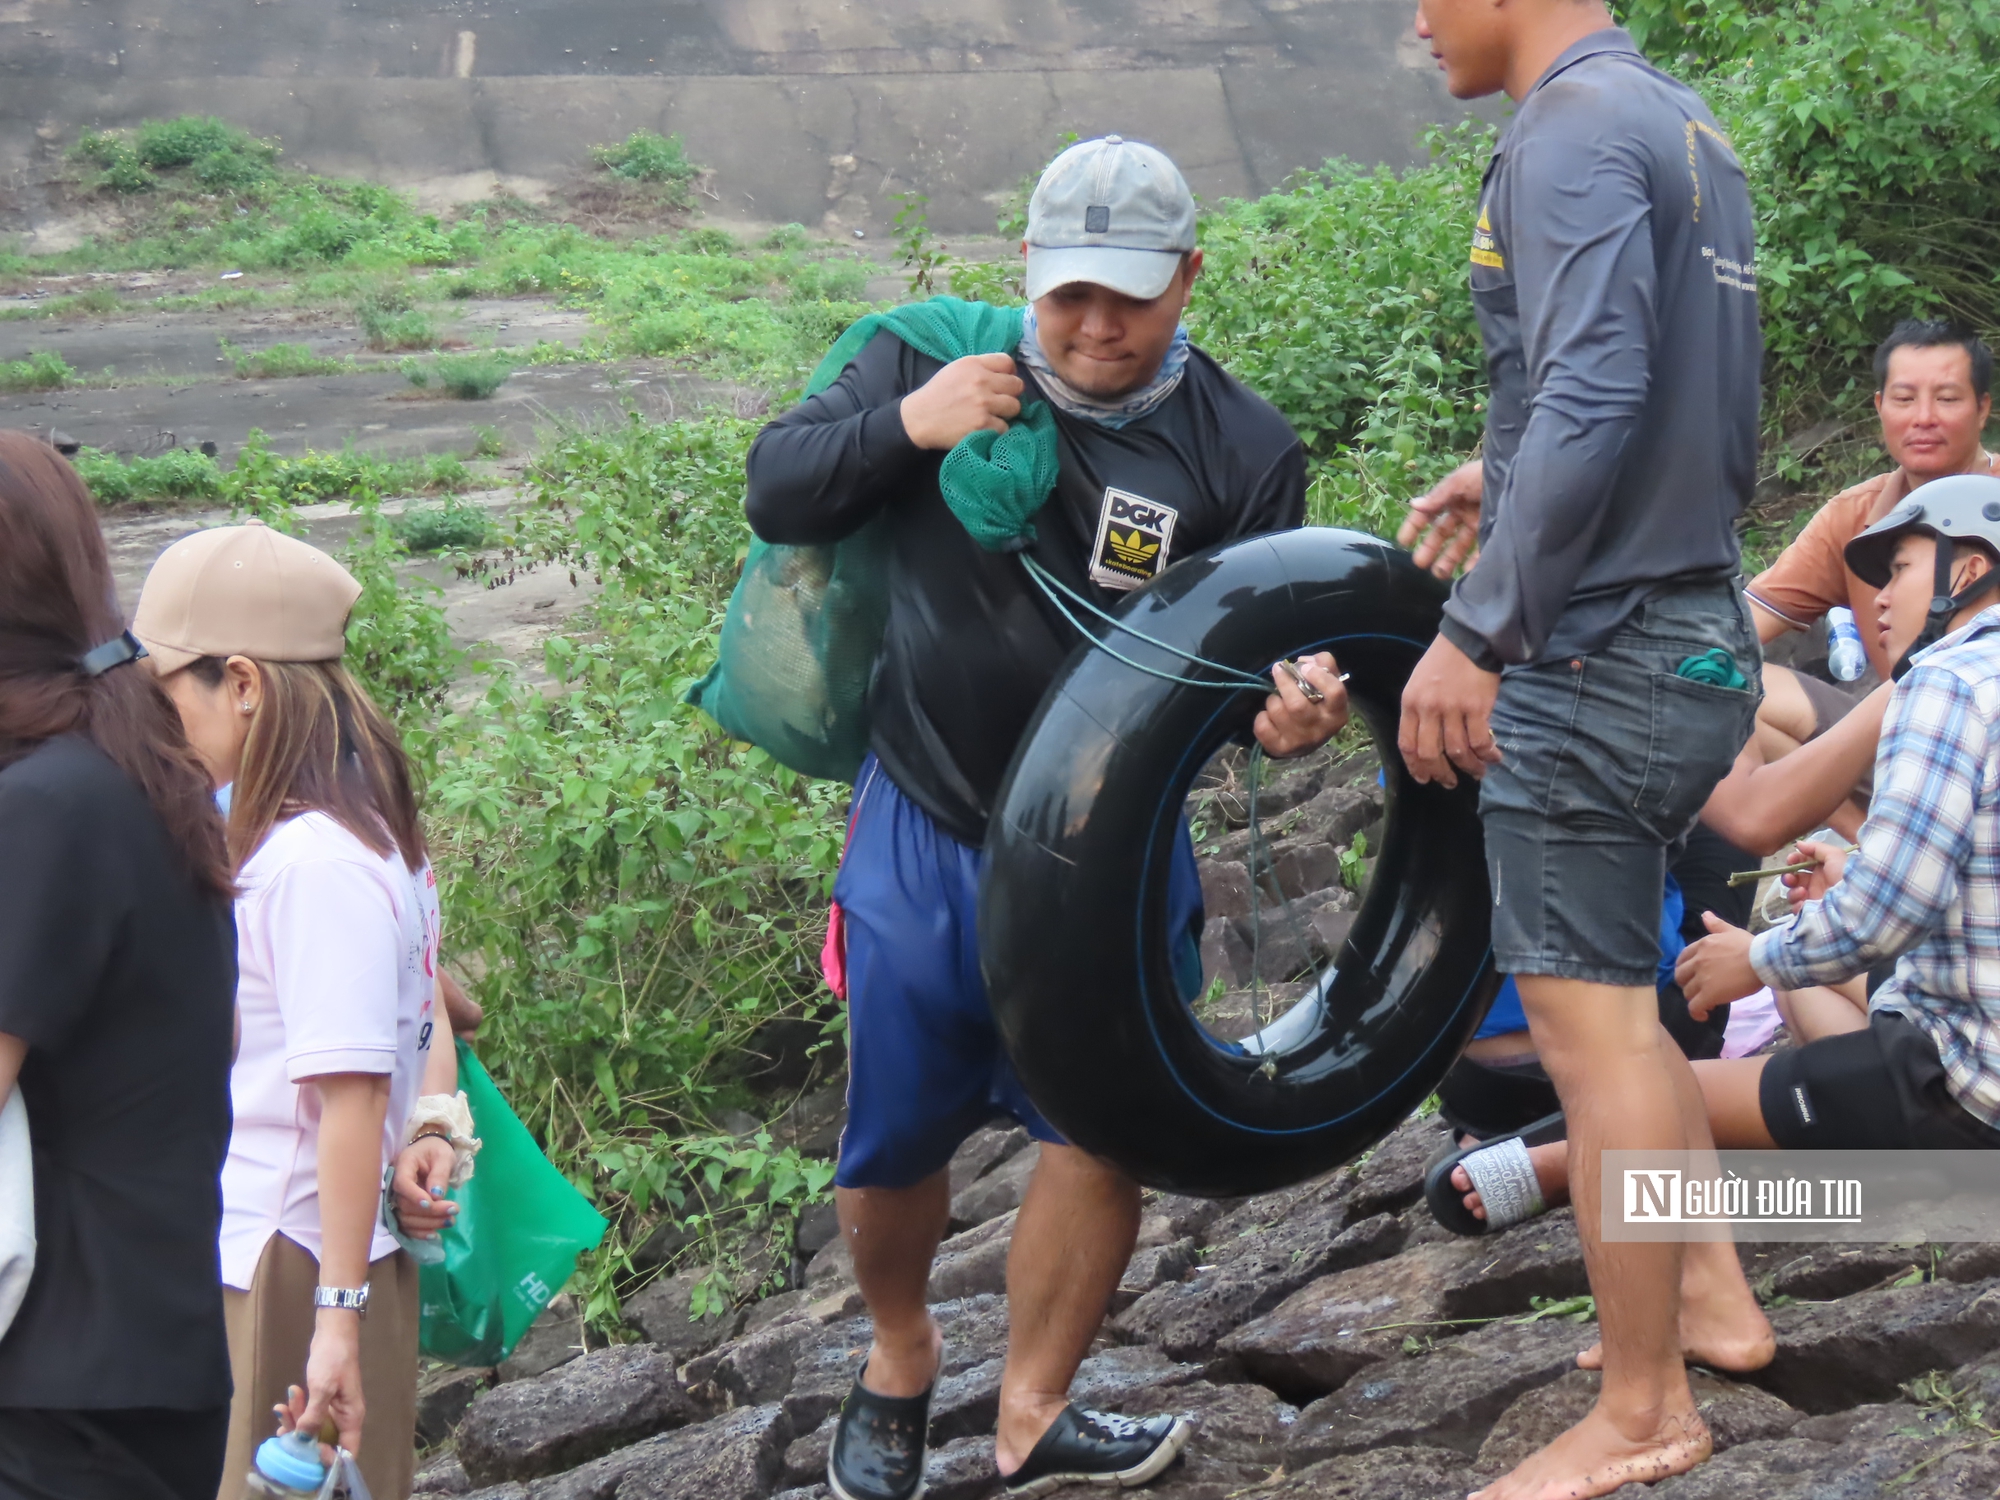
[
  {"x": 1753, "y": 1021},
  {"x": 833, "y": 957}
]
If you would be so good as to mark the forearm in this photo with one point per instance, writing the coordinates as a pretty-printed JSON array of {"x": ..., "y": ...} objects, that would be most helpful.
[
  {"x": 352, "y": 1108},
  {"x": 441, "y": 1063},
  {"x": 813, "y": 482}
]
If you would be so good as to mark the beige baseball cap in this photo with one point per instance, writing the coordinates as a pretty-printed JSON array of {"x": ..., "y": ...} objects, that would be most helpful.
[{"x": 243, "y": 591}]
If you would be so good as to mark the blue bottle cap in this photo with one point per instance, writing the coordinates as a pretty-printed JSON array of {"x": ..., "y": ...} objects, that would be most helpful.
[{"x": 293, "y": 1461}]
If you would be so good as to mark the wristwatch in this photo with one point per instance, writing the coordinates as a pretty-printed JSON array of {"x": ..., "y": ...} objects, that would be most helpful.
[{"x": 347, "y": 1298}]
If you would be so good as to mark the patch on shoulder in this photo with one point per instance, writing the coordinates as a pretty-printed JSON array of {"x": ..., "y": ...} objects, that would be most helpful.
[{"x": 1134, "y": 539}]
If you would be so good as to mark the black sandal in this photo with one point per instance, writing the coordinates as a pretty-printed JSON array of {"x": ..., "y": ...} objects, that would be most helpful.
[
  {"x": 1504, "y": 1180},
  {"x": 1094, "y": 1447},
  {"x": 878, "y": 1448}
]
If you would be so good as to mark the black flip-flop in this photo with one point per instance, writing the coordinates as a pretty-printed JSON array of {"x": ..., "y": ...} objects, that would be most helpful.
[
  {"x": 878, "y": 1446},
  {"x": 1501, "y": 1175}
]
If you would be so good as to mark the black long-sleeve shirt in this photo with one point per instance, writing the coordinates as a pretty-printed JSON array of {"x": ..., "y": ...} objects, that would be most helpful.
[
  {"x": 971, "y": 643},
  {"x": 1613, "y": 273}
]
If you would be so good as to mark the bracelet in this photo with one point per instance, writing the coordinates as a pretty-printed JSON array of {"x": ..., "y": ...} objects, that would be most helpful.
[
  {"x": 344, "y": 1298},
  {"x": 431, "y": 1134}
]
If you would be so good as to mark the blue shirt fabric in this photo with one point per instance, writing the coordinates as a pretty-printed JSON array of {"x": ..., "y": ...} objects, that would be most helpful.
[
  {"x": 1613, "y": 274},
  {"x": 1924, "y": 885}
]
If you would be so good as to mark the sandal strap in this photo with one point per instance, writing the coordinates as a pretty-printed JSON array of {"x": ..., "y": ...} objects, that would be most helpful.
[{"x": 1504, "y": 1178}]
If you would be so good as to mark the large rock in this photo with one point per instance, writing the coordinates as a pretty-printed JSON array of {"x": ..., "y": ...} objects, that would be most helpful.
[
  {"x": 974, "y": 1263},
  {"x": 598, "y": 1402},
  {"x": 998, "y": 1192},
  {"x": 818, "y": 1227},
  {"x": 1735, "y": 1414},
  {"x": 737, "y": 1456},
  {"x": 1225, "y": 889},
  {"x": 814, "y": 1122},
  {"x": 1151, "y": 1266},
  {"x": 1392, "y": 1175},
  {"x": 1972, "y": 1262},
  {"x": 554, "y": 1338},
  {"x": 758, "y": 1367},
  {"x": 1322, "y": 1335},
  {"x": 1447, "y": 1398},
  {"x": 1255, "y": 1273},
  {"x": 1396, "y": 1473},
  {"x": 1541, "y": 1258},
  {"x": 1862, "y": 1348},
  {"x": 443, "y": 1394},
  {"x": 663, "y": 1313},
  {"x": 443, "y": 1475},
  {"x": 982, "y": 1151},
  {"x": 1825, "y": 1272},
  {"x": 1892, "y": 1451}
]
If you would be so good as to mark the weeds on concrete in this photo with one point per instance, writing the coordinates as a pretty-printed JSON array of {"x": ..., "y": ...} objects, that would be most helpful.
[
  {"x": 463, "y": 377},
  {"x": 40, "y": 371},
  {"x": 281, "y": 362}
]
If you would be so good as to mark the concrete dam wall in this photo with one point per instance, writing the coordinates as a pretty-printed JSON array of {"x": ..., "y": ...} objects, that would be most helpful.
[{"x": 814, "y": 111}]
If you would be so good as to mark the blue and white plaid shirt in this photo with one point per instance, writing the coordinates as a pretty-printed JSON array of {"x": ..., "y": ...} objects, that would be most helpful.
[{"x": 1924, "y": 886}]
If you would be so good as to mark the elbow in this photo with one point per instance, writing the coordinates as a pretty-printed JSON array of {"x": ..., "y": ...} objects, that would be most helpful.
[{"x": 1744, "y": 827}]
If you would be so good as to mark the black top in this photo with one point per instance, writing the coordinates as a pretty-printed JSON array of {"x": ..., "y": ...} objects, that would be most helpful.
[
  {"x": 120, "y": 974},
  {"x": 1613, "y": 272},
  {"x": 972, "y": 643}
]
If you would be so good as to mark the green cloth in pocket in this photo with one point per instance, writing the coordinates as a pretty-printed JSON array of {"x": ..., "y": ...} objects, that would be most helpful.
[{"x": 1716, "y": 668}]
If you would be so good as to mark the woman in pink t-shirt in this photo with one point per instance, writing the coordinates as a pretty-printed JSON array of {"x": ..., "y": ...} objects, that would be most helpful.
[{"x": 337, "y": 939}]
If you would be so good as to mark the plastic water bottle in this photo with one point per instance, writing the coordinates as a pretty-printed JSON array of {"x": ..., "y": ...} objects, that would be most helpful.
[
  {"x": 287, "y": 1468},
  {"x": 1844, "y": 656}
]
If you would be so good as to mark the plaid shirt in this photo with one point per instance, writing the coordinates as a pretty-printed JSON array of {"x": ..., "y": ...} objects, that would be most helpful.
[{"x": 1924, "y": 886}]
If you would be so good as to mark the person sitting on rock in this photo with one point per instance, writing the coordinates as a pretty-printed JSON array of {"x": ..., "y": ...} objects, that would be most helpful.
[
  {"x": 1922, "y": 1070},
  {"x": 1161, "y": 454},
  {"x": 1933, "y": 394}
]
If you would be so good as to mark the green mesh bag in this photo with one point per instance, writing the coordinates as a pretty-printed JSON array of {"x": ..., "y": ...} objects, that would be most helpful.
[{"x": 804, "y": 626}]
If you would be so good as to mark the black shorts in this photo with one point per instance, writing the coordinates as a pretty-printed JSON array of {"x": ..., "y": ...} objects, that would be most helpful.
[{"x": 1878, "y": 1089}]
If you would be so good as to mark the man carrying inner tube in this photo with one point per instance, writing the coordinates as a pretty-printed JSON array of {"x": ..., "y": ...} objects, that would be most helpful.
[
  {"x": 1160, "y": 454},
  {"x": 1597, "y": 667}
]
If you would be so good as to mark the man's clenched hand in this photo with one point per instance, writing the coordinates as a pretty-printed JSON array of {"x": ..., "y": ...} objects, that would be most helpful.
[
  {"x": 1444, "y": 525},
  {"x": 1291, "y": 723},
  {"x": 1447, "y": 708},
  {"x": 980, "y": 393}
]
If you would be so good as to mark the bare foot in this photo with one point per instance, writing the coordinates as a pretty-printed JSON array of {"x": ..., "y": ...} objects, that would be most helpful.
[
  {"x": 895, "y": 1369},
  {"x": 1595, "y": 1457},
  {"x": 1551, "y": 1164},
  {"x": 1722, "y": 1327}
]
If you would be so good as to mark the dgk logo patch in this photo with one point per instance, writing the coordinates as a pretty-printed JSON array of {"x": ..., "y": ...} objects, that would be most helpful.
[{"x": 1134, "y": 537}]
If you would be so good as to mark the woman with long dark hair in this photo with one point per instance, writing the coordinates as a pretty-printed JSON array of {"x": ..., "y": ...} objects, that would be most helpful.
[
  {"x": 117, "y": 968},
  {"x": 337, "y": 937}
]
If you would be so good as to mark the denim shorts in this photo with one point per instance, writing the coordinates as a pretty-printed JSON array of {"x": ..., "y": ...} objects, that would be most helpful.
[{"x": 1607, "y": 759}]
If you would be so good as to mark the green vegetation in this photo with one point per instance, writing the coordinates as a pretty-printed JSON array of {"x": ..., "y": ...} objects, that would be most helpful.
[
  {"x": 40, "y": 371},
  {"x": 433, "y": 528},
  {"x": 280, "y": 361},
  {"x": 658, "y": 161},
  {"x": 262, "y": 480},
  {"x": 463, "y": 377},
  {"x": 390, "y": 323}
]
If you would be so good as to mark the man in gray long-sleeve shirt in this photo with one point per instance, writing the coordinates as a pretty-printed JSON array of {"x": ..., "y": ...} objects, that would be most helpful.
[{"x": 1597, "y": 667}]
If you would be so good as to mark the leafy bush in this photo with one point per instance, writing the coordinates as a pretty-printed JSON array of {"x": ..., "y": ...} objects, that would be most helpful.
[
  {"x": 463, "y": 377},
  {"x": 431, "y": 528},
  {"x": 119, "y": 168},
  {"x": 405, "y": 328},
  {"x": 657, "y": 160},
  {"x": 42, "y": 370},
  {"x": 165, "y": 144},
  {"x": 178, "y": 474}
]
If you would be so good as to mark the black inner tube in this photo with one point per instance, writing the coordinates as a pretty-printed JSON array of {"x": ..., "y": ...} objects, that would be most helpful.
[{"x": 1073, "y": 923}]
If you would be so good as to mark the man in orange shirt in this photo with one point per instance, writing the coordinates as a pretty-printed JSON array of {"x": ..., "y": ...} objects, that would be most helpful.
[{"x": 1933, "y": 393}]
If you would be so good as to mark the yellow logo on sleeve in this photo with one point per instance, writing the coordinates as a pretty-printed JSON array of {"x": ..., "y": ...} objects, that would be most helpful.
[{"x": 1485, "y": 248}]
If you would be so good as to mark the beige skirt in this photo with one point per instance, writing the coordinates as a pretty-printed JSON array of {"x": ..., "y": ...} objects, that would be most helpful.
[{"x": 270, "y": 1334}]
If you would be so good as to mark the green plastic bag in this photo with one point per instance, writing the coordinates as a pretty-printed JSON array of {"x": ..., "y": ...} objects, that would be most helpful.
[
  {"x": 804, "y": 626},
  {"x": 519, "y": 1230}
]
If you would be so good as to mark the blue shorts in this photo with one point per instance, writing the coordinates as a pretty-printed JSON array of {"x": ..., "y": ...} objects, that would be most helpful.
[{"x": 925, "y": 1067}]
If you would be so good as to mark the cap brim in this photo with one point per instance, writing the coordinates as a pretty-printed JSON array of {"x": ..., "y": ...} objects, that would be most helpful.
[
  {"x": 165, "y": 660},
  {"x": 1143, "y": 274},
  {"x": 1870, "y": 554}
]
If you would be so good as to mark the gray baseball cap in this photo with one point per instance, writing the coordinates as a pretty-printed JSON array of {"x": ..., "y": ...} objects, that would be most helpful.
[{"x": 1112, "y": 212}]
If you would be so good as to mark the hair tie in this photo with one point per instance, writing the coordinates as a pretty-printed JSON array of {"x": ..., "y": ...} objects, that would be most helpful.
[{"x": 115, "y": 652}]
